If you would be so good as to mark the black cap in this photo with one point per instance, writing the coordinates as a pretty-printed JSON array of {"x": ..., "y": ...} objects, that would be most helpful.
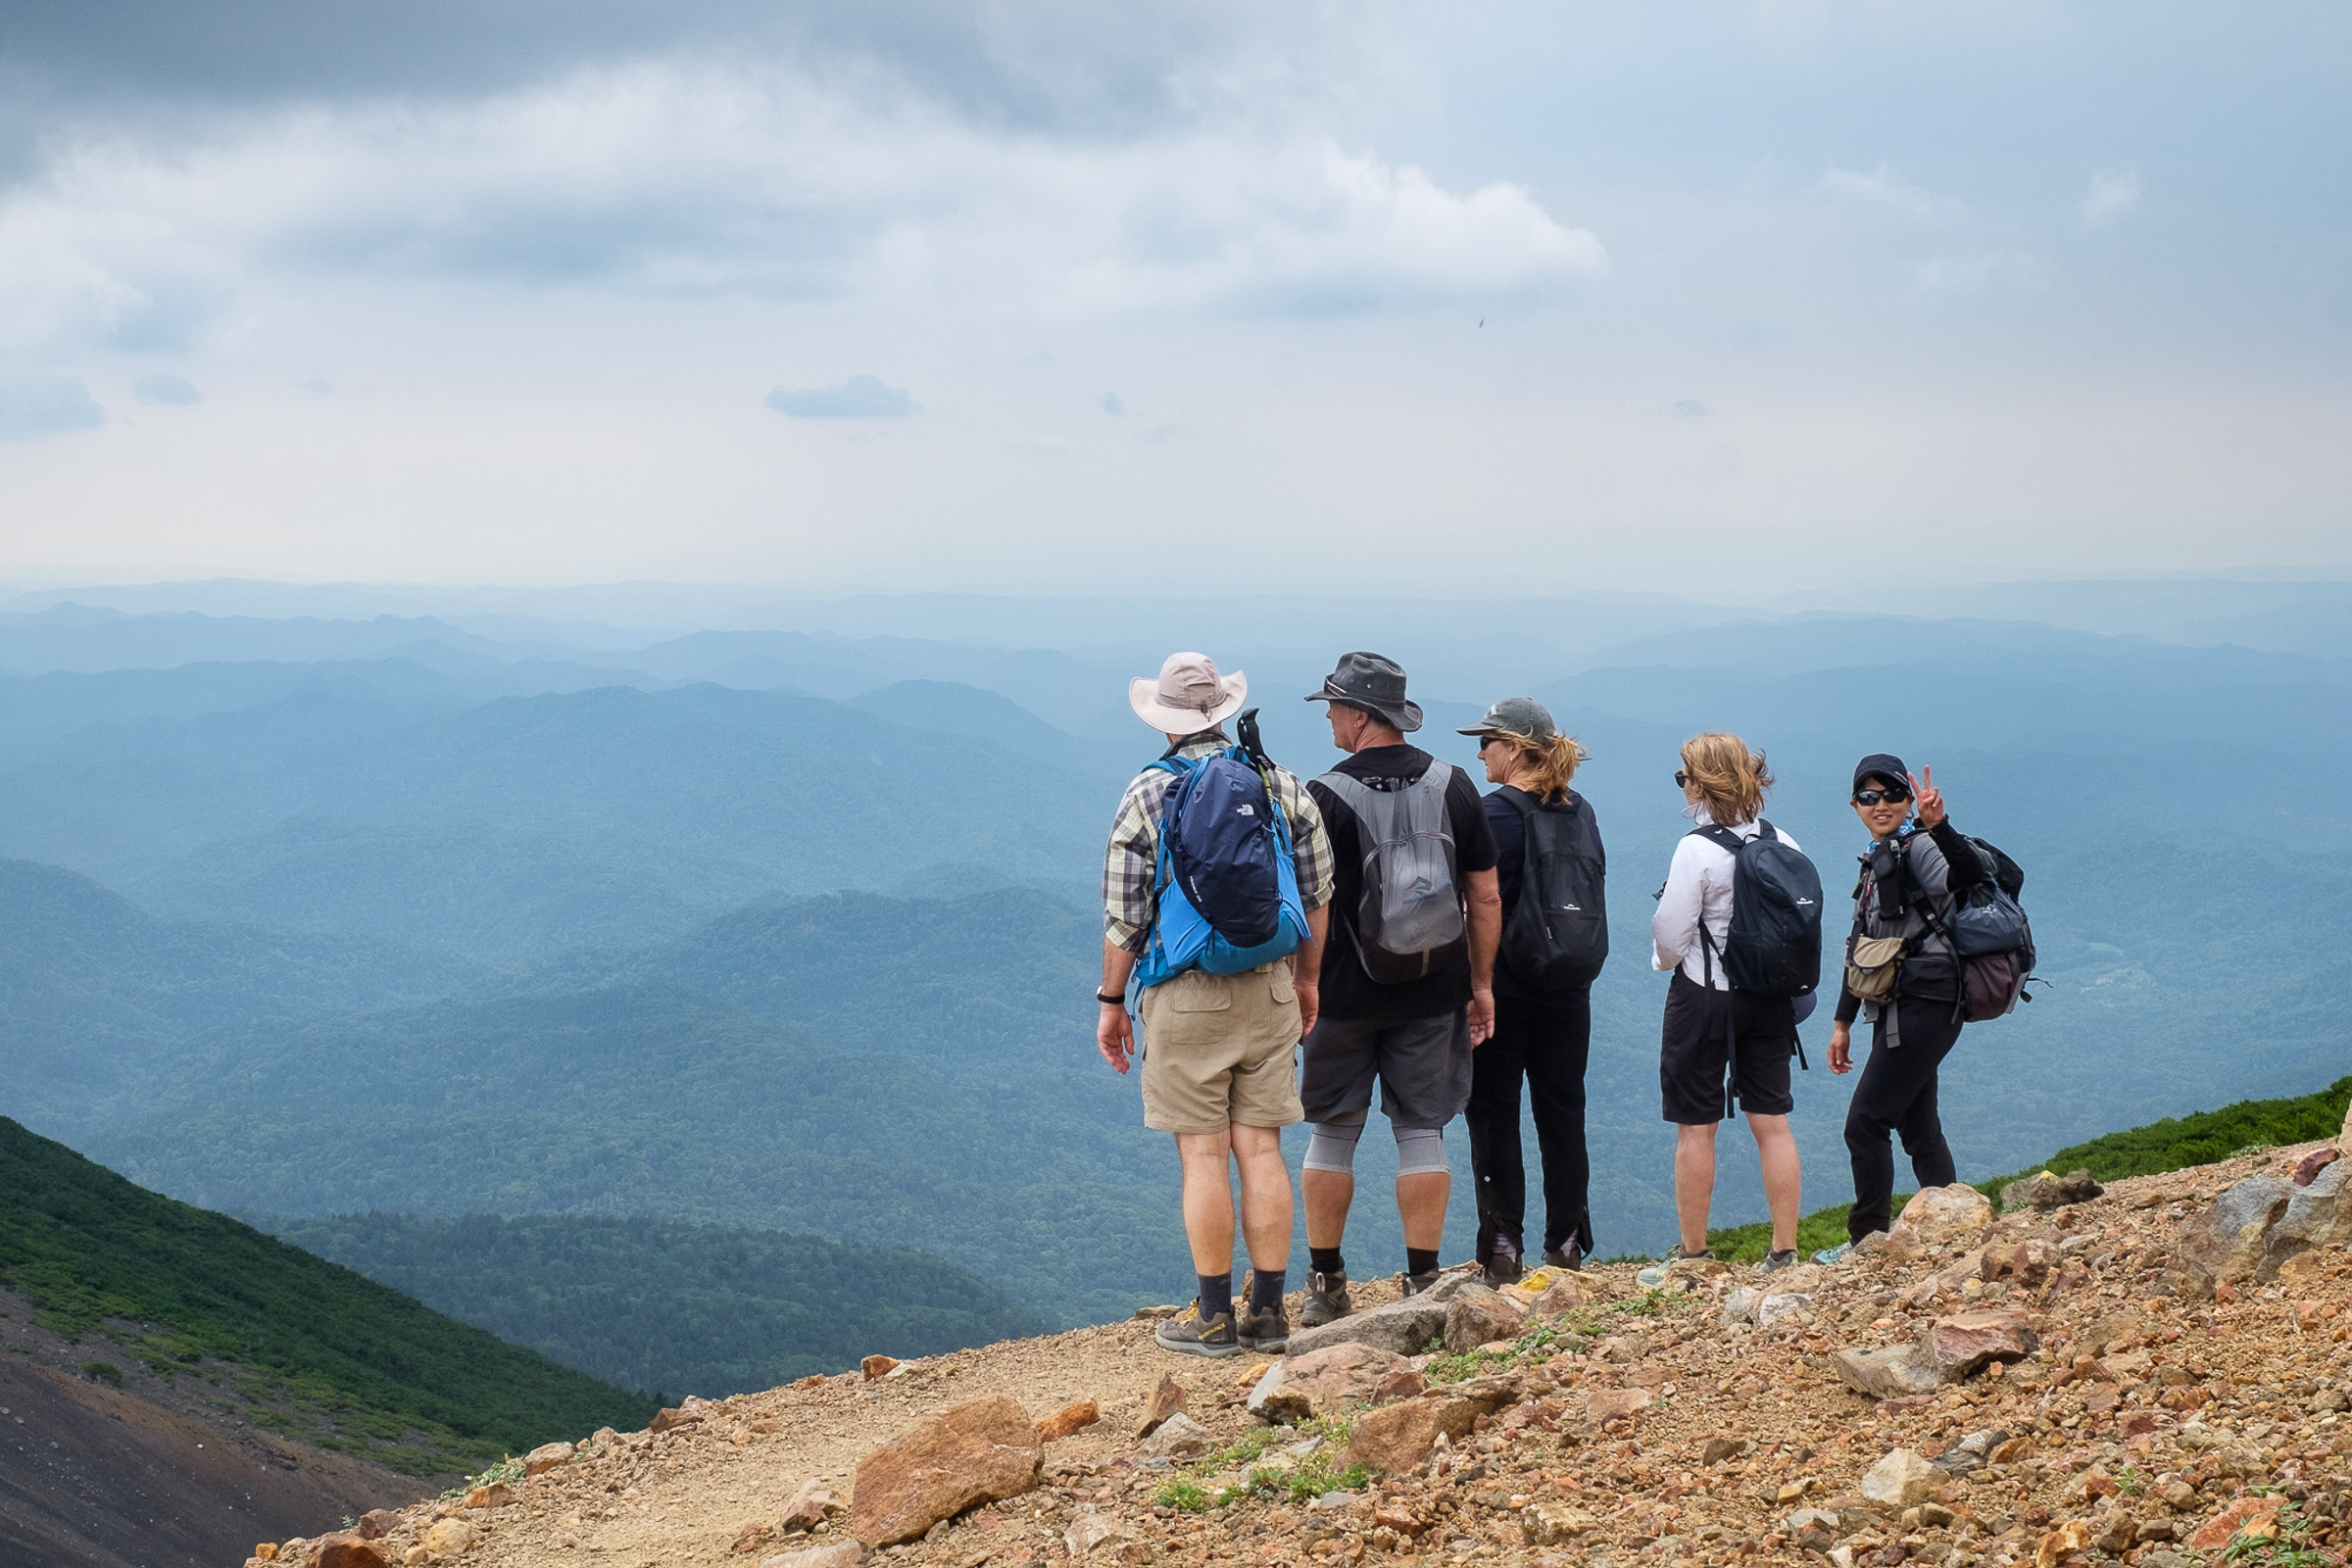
[
  {"x": 1373, "y": 684},
  {"x": 1883, "y": 764}
]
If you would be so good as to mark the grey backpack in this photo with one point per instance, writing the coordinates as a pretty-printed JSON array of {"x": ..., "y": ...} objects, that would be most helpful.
[{"x": 1409, "y": 922}]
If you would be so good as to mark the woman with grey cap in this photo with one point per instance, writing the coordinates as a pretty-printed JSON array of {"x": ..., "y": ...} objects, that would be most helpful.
[
  {"x": 1543, "y": 1006},
  {"x": 1900, "y": 955}
]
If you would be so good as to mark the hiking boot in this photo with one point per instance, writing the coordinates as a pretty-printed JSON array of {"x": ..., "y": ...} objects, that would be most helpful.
[
  {"x": 1415, "y": 1284},
  {"x": 1567, "y": 1255},
  {"x": 1835, "y": 1254},
  {"x": 1268, "y": 1331},
  {"x": 1774, "y": 1262},
  {"x": 1502, "y": 1262},
  {"x": 1650, "y": 1278},
  {"x": 1326, "y": 1300},
  {"x": 1187, "y": 1334}
]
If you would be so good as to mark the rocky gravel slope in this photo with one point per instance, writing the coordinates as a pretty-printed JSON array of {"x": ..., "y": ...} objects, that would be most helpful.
[{"x": 2156, "y": 1374}]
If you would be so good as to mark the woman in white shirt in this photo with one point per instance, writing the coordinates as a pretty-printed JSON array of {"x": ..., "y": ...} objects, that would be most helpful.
[{"x": 1708, "y": 1025}]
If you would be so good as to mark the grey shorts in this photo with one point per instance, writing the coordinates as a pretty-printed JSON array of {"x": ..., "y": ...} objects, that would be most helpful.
[{"x": 1423, "y": 1066}]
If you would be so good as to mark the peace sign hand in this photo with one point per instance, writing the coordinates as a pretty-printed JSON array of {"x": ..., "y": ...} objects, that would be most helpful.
[{"x": 1929, "y": 799}]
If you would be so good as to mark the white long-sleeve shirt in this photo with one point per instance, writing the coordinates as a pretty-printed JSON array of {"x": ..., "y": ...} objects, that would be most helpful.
[{"x": 1698, "y": 887}]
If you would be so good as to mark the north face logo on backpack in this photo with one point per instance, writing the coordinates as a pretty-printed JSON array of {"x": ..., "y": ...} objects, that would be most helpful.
[{"x": 1245, "y": 811}]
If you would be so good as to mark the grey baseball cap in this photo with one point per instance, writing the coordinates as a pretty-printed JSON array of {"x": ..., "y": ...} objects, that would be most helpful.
[{"x": 1516, "y": 715}]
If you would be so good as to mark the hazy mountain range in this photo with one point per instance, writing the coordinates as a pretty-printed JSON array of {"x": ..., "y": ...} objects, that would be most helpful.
[{"x": 792, "y": 927}]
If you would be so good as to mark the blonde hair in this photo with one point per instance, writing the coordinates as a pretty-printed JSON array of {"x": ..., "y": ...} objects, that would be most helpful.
[
  {"x": 1729, "y": 778},
  {"x": 1549, "y": 764}
]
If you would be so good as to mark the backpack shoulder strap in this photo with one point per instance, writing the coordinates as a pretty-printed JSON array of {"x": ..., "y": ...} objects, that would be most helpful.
[
  {"x": 1723, "y": 838},
  {"x": 1519, "y": 798}
]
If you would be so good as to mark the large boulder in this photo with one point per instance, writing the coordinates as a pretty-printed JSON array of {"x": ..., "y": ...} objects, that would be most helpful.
[
  {"x": 1937, "y": 1216},
  {"x": 2310, "y": 1219},
  {"x": 982, "y": 1450},
  {"x": 1477, "y": 1315},
  {"x": 1325, "y": 1381},
  {"x": 1947, "y": 1350},
  {"x": 1405, "y": 1328},
  {"x": 2239, "y": 1225}
]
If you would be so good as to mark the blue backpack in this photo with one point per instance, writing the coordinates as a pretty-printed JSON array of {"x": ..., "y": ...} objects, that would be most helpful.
[{"x": 1227, "y": 884}]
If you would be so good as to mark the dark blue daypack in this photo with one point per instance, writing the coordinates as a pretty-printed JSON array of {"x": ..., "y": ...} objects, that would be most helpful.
[{"x": 1228, "y": 888}]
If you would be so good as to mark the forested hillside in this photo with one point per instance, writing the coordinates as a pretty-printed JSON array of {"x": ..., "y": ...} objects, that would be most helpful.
[
  {"x": 302, "y": 1346},
  {"x": 705, "y": 1310}
]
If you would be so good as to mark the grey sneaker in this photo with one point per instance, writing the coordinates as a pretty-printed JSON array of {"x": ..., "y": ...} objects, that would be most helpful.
[
  {"x": 1268, "y": 1331},
  {"x": 1835, "y": 1254},
  {"x": 1650, "y": 1278},
  {"x": 1185, "y": 1335},
  {"x": 1415, "y": 1284},
  {"x": 1774, "y": 1262},
  {"x": 1326, "y": 1300}
]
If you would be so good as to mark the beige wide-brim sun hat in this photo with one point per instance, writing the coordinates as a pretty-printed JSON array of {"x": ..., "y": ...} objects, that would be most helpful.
[{"x": 1188, "y": 697}]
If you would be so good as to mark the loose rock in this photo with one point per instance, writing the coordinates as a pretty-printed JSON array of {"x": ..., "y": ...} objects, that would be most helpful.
[
  {"x": 451, "y": 1538},
  {"x": 1075, "y": 1417},
  {"x": 1405, "y": 1328},
  {"x": 1179, "y": 1437},
  {"x": 982, "y": 1450},
  {"x": 1166, "y": 1400},
  {"x": 1476, "y": 1315},
  {"x": 1900, "y": 1480},
  {"x": 878, "y": 1366},
  {"x": 1937, "y": 1216},
  {"x": 546, "y": 1457}
]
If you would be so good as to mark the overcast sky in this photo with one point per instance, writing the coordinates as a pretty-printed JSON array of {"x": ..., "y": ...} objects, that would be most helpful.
[{"x": 864, "y": 293}]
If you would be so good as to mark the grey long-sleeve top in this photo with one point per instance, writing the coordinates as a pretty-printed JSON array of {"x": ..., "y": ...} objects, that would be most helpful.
[{"x": 1900, "y": 883}]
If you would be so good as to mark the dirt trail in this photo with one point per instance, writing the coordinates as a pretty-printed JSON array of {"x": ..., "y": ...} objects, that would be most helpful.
[{"x": 1646, "y": 1424}]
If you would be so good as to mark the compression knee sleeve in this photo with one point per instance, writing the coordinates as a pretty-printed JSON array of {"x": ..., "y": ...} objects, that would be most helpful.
[
  {"x": 1330, "y": 1144},
  {"x": 1420, "y": 1151}
]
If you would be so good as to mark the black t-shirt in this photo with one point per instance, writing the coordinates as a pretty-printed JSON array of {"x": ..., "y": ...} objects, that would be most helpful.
[
  {"x": 1510, "y": 869},
  {"x": 1347, "y": 990}
]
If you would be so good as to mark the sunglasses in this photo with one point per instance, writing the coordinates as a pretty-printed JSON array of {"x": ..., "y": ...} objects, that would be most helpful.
[
  {"x": 1484, "y": 740},
  {"x": 1682, "y": 780},
  {"x": 1874, "y": 796}
]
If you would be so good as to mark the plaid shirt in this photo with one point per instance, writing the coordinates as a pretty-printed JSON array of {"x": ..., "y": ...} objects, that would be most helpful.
[{"x": 1131, "y": 867}]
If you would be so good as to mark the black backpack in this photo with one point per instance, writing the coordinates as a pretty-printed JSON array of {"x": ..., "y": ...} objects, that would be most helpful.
[
  {"x": 1556, "y": 937},
  {"x": 1774, "y": 945}
]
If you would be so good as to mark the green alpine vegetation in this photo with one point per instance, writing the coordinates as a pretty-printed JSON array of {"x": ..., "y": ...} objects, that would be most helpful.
[
  {"x": 2175, "y": 1143},
  {"x": 707, "y": 1310},
  {"x": 312, "y": 1349}
]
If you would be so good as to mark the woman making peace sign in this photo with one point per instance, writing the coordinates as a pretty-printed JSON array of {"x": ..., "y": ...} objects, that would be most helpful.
[{"x": 1900, "y": 954}]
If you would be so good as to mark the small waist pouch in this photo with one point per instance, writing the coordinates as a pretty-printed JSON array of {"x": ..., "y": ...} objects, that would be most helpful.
[{"x": 1871, "y": 966}]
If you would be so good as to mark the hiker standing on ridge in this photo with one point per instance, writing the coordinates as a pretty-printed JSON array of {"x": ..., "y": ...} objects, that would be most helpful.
[
  {"x": 1407, "y": 974},
  {"x": 1739, "y": 922},
  {"x": 1901, "y": 953},
  {"x": 1214, "y": 893},
  {"x": 1550, "y": 867}
]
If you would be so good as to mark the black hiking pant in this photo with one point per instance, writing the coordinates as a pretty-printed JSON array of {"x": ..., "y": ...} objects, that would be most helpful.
[
  {"x": 1897, "y": 1095},
  {"x": 1547, "y": 1044}
]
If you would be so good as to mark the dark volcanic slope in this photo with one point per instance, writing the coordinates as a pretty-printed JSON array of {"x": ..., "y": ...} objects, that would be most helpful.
[{"x": 90, "y": 1478}]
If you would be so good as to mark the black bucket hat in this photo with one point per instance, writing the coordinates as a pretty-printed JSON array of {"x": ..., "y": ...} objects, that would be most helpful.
[{"x": 1373, "y": 684}]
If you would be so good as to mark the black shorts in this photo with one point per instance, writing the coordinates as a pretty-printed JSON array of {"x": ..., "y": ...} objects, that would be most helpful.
[{"x": 1694, "y": 1055}]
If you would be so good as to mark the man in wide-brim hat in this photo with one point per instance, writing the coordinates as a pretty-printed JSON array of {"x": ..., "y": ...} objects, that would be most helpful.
[
  {"x": 1220, "y": 1057},
  {"x": 1407, "y": 1017}
]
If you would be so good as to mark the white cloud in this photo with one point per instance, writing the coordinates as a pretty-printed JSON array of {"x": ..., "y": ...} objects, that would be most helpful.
[
  {"x": 1881, "y": 188},
  {"x": 2113, "y": 193},
  {"x": 1980, "y": 273},
  {"x": 163, "y": 389},
  {"x": 668, "y": 178}
]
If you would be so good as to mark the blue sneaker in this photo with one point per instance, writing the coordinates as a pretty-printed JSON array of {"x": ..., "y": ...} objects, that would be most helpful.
[{"x": 1835, "y": 1254}]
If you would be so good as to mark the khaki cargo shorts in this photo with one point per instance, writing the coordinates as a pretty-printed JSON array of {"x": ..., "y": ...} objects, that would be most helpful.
[{"x": 1220, "y": 1049}]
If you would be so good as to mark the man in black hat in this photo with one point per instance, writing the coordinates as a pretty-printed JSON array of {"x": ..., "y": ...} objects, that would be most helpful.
[{"x": 1408, "y": 971}]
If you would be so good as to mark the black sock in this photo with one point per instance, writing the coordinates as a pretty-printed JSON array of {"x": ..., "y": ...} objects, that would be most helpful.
[
  {"x": 1327, "y": 1260},
  {"x": 1420, "y": 1261},
  {"x": 1266, "y": 1290},
  {"x": 1216, "y": 1296}
]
